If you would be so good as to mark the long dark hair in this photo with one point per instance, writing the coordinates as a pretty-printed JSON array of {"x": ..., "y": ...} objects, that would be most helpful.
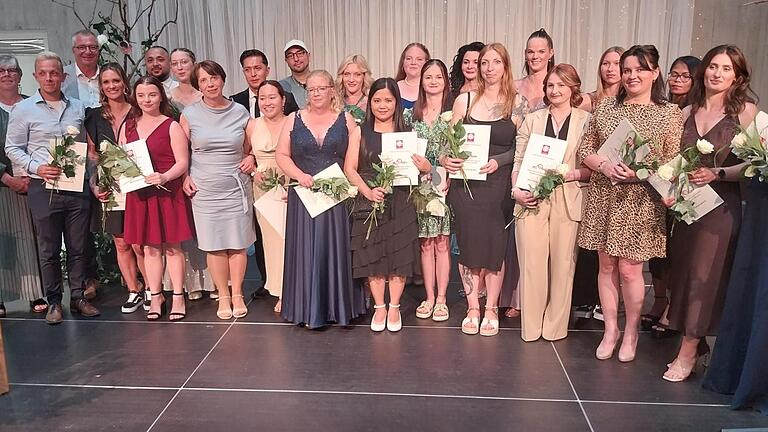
[
  {"x": 738, "y": 95},
  {"x": 106, "y": 110},
  {"x": 421, "y": 101},
  {"x": 542, "y": 34},
  {"x": 165, "y": 105},
  {"x": 648, "y": 57},
  {"x": 692, "y": 64},
  {"x": 400, "y": 74},
  {"x": 457, "y": 77},
  {"x": 400, "y": 126}
]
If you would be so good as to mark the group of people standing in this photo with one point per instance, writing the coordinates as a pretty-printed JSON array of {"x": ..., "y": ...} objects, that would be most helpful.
[{"x": 212, "y": 154}]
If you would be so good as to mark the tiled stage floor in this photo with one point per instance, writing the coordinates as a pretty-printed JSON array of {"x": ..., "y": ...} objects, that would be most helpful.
[{"x": 119, "y": 372}]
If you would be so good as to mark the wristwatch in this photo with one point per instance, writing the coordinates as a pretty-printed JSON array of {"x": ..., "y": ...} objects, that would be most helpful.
[{"x": 720, "y": 173}]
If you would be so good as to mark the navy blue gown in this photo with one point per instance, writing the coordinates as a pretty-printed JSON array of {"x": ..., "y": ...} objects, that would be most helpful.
[
  {"x": 317, "y": 283},
  {"x": 741, "y": 351}
]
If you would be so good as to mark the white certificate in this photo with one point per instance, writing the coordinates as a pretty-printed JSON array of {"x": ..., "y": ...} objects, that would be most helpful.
[
  {"x": 542, "y": 153},
  {"x": 476, "y": 142},
  {"x": 120, "y": 200},
  {"x": 70, "y": 184},
  {"x": 138, "y": 152},
  {"x": 272, "y": 207},
  {"x": 399, "y": 147},
  {"x": 704, "y": 198},
  {"x": 318, "y": 202},
  {"x": 624, "y": 134}
]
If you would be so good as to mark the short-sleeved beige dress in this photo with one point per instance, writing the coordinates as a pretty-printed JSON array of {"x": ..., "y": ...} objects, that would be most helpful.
[{"x": 628, "y": 219}]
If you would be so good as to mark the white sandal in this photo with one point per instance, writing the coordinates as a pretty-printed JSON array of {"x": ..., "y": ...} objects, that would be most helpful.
[
  {"x": 475, "y": 321},
  {"x": 494, "y": 323},
  {"x": 378, "y": 327},
  {"x": 425, "y": 305}
]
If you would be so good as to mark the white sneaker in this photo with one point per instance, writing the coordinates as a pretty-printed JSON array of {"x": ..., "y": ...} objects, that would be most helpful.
[
  {"x": 147, "y": 300},
  {"x": 132, "y": 304},
  {"x": 598, "y": 313}
]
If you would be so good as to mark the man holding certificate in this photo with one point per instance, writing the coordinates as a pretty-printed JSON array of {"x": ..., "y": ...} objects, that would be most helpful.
[
  {"x": 33, "y": 123},
  {"x": 546, "y": 233}
]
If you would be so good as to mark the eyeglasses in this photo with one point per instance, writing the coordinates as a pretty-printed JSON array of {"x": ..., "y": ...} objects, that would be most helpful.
[
  {"x": 181, "y": 63},
  {"x": 320, "y": 89},
  {"x": 352, "y": 74},
  {"x": 295, "y": 55},
  {"x": 681, "y": 77},
  {"x": 9, "y": 71},
  {"x": 84, "y": 48}
]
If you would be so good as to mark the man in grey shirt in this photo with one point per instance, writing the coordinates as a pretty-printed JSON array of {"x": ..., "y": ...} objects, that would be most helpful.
[
  {"x": 81, "y": 80},
  {"x": 297, "y": 58},
  {"x": 32, "y": 124}
]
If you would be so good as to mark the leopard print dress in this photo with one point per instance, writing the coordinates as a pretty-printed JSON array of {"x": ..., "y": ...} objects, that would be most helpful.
[{"x": 628, "y": 220}]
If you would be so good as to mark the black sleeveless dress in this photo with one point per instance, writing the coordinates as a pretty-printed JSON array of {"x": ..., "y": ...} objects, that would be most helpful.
[
  {"x": 480, "y": 222},
  {"x": 393, "y": 245}
]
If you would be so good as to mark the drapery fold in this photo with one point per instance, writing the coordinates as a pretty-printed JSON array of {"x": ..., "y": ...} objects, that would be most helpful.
[{"x": 581, "y": 29}]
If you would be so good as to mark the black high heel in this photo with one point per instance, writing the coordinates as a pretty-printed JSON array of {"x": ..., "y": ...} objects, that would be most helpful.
[
  {"x": 154, "y": 316},
  {"x": 176, "y": 316},
  {"x": 647, "y": 321}
]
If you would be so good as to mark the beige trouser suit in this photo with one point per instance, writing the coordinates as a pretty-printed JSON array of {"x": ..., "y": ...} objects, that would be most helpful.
[{"x": 546, "y": 240}]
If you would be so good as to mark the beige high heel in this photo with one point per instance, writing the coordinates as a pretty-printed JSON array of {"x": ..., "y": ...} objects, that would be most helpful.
[
  {"x": 224, "y": 314},
  {"x": 239, "y": 312},
  {"x": 679, "y": 371}
]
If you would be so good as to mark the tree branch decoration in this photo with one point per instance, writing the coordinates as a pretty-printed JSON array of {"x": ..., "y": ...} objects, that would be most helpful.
[{"x": 115, "y": 29}]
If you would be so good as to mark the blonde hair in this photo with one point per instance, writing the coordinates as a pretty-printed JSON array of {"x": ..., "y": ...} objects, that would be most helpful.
[
  {"x": 507, "y": 91},
  {"x": 337, "y": 103},
  {"x": 600, "y": 92},
  {"x": 360, "y": 61},
  {"x": 49, "y": 55}
]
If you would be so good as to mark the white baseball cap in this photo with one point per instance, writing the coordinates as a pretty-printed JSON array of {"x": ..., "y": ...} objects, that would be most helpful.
[{"x": 295, "y": 43}]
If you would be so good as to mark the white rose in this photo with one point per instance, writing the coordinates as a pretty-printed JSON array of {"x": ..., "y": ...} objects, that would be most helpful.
[
  {"x": 386, "y": 159},
  {"x": 666, "y": 172},
  {"x": 102, "y": 39},
  {"x": 446, "y": 116},
  {"x": 739, "y": 140},
  {"x": 563, "y": 169},
  {"x": 704, "y": 146},
  {"x": 73, "y": 131},
  {"x": 750, "y": 171},
  {"x": 435, "y": 207},
  {"x": 352, "y": 191},
  {"x": 103, "y": 146}
]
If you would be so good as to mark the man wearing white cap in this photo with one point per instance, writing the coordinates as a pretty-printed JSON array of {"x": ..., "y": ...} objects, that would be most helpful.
[{"x": 297, "y": 59}]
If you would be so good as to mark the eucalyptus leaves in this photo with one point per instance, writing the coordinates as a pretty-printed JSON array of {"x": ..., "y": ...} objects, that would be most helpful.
[
  {"x": 64, "y": 156},
  {"x": 454, "y": 139},
  {"x": 384, "y": 179}
]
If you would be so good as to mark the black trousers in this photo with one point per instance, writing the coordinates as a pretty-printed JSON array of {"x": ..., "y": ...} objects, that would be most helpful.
[
  {"x": 55, "y": 215},
  {"x": 259, "y": 245}
]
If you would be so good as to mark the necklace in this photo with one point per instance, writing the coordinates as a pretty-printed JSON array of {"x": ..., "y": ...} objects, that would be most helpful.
[{"x": 409, "y": 84}]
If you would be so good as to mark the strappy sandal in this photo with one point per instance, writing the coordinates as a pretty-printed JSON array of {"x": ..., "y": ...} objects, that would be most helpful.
[
  {"x": 442, "y": 308},
  {"x": 239, "y": 312},
  {"x": 494, "y": 323},
  {"x": 177, "y": 316},
  {"x": 278, "y": 306},
  {"x": 38, "y": 306},
  {"x": 224, "y": 314},
  {"x": 474, "y": 321},
  {"x": 152, "y": 315},
  {"x": 425, "y": 310},
  {"x": 679, "y": 371}
]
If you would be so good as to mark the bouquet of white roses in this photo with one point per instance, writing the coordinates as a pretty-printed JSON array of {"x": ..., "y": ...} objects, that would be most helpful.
[
  {"x": 454, "y": 138},
  {"x": 677, "y": 171},
  {"x": 749, "y": 145}
]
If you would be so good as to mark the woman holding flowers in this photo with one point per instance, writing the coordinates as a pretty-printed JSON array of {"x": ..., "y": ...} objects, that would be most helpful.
[
  {"x": 157, "y": 217},
  {"x": 384, "y": 250},
  {"x": 482, "y": 216},
  {"x": 105, "y": 123},
  {"x": 430, "y": 119},
  {"x": 701, "y": 254},
  {"x": 266, "y": 132},
  {"x": 626, "y": 222},
  {"x": 317, "y": 281},
  {"x": 546, "y": 232}
]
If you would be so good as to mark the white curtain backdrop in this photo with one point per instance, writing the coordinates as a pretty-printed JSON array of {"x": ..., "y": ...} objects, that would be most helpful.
[{"x": 379, "y": 29}]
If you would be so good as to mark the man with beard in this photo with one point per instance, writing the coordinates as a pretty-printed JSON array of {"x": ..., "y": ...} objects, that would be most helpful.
[
  {"x": 157, "y": 61},
  {"x": 297, "y": 59}
]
